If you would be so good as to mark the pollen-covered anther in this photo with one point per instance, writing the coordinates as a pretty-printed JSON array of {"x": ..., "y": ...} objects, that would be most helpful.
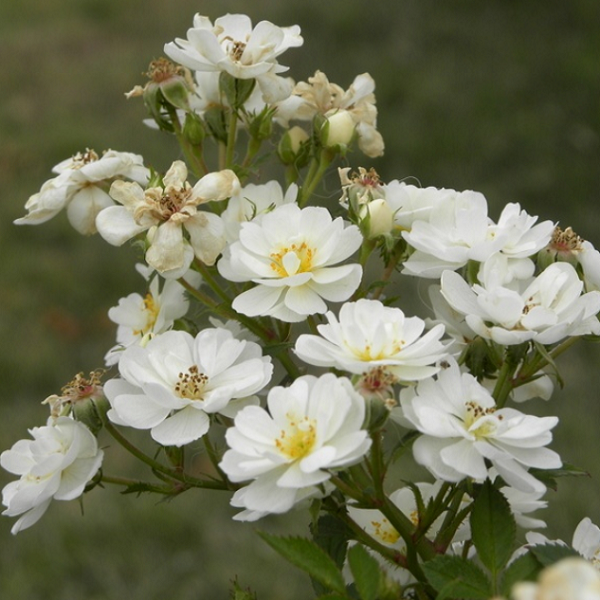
[
  {"x": 292, "y": 259},
  {"x": 163, "y": 69},
  {"x": 298, "y": 439},
  {"x": 385, "y": 532},
  {"x": 83, "y": 158},
  {"x": 565, "y": 240},
  {"x": 191, "y": 385},
  {"x": 366, "y": 178}
]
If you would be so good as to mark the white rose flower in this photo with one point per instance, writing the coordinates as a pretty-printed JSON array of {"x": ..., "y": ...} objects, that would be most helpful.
[
  {"x": 462, "y": 428},
  {"x": 568, "y": 579},
  {"x": 311, "y": 427},
  {"x": 165, "y": 211},
  {"x": 79, "y": 188},
  {"x": 232, "y": 45},
  {"x": 176, "y": 381},
  {"x": 368, "y": 335},
  {"x": 290, "y": 253},
  {"x": 139, "y": 318},
  {"x": 548, "y": 309},
  {"x": 457, "y": 231},
  {"x": 58, "y": 463}
]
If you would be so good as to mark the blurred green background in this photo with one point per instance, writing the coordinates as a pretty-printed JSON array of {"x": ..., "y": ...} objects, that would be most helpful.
[{"x": 501, "y": 96}]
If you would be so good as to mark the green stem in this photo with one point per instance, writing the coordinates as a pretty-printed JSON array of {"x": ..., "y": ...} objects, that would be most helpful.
[
  {"x": 155, "y": 465},
  {"x": 215, "y": 459},
  {"x": 208, "y": 277},
  {"x": 195, "y": 161},
  {"x": 385, "y": 276},
  {"x": 231, "y": 137},
  {"x": 315, "y": 175},
  {"x": 503, "y": 385},
  {"x": 150, "y": 487}
]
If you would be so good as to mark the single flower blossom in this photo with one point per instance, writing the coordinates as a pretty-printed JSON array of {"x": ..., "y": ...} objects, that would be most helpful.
[
  {"x": 547, "y": 309},
  {"x": 173, "y": 384},
  {"x": 140, "y": 318},
  {"x": 570, "y": 578},
  {"x": 369, "y": 335},
  {"x": 311, "y": 427},
  {"x": 463, "y": 428},
  {"x": 457, "y": 231},
  {"x": 81, "y": 187},
  {"x": 58, "y": 462},
  {"x": 165, "y": 212},
  {"x": 291, "y": 254},
  {"x": 233, "y": 46}
]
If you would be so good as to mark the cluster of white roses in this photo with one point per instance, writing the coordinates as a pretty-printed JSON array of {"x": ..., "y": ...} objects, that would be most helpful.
[{"x": 259, "y": 256}]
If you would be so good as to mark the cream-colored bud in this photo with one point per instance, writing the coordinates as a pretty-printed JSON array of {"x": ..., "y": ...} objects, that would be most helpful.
[
  {"x": 341, "y": 129},
  {"x": 380, "y": 217},
  {"x": 297, "y": 137}
]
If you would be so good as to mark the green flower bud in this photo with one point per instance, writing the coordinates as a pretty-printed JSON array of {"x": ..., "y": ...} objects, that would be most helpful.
[
  {"x": 293, "y": 147},
  {"x": 193, "y": 129}
]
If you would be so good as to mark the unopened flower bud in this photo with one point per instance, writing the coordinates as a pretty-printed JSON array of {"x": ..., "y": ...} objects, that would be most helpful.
[
  {"x": 338, "y": 129},
  {"x": 378, "y": 218},
  {"x": 292, "y": 146},
  {"x": 193, "y": 129}
]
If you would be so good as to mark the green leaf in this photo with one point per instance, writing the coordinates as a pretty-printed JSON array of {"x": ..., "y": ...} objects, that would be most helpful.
[
  {"x": 309, "y": 557},
  {"x": 333, "y": 596},
  {"x": 548, "y": 554},
  {"x": 456, "y": 577},
  {"x": 524, "y": 568},
  {"x": 549, "y": 476},
  {"x": 366, "y": 572},
  {"x": 237, "y": 593},
  {"x": 332, "y": 534},
  {"x": 493, "y": 528}
]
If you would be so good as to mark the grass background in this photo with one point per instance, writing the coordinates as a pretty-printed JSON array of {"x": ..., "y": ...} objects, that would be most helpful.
[{"x": 502, "y": 97}]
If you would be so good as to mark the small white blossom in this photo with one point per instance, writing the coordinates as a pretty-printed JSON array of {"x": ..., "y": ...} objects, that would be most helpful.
[
  {"x": 81, "y": 188},
  {"x": 311, "y": 427},
  {"x": 568, "y": 579},
  {"x": 462, "y": 428},
  {"x": 457, "y": 231},
  {"x": 58, "y": 463},
  {"x": 368, "y": 335},
  {"x": 139, "y": 318},
  {"x": 290, "y": 254},
  {"x": 166, "y": 211},
  {"x": 176, "y": 381},
  {"x": 233, "y": 46},
  {"x": 549, "y": 308}
]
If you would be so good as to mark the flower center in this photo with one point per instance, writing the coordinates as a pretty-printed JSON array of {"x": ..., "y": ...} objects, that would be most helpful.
[
  {"x": 565, "y": 241},
  {"x": 298, "y": 439},
  {"x": 475, "y": 412},
  {"x": 151, "y": 310},
  {"x": 385, "y": 532},
  {"x": 163, "y": 69},
  {"x": 234, "y": 48},
  {"x": 292, "y": 259},
  {"x": 191, "y": 385},
  {"x": 82, "y": 159}
]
